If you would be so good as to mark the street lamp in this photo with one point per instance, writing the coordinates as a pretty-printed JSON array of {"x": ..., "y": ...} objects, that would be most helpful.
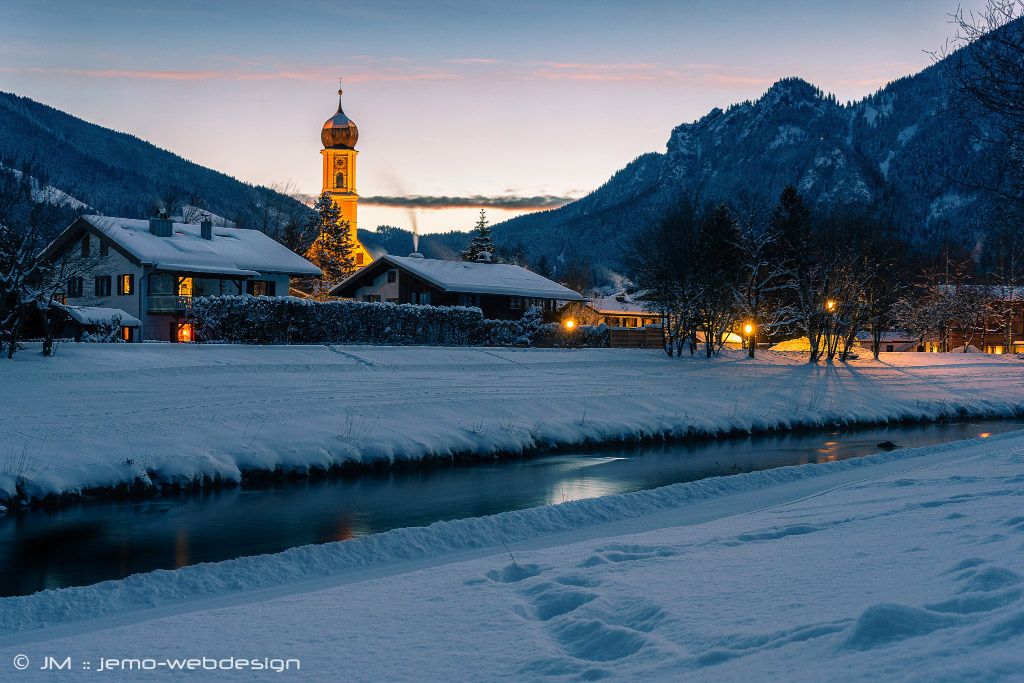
[
  {"x": 830, "y": 305},
  {"x": 569, "y": 323},
  {"x": 748, "y": 329}
]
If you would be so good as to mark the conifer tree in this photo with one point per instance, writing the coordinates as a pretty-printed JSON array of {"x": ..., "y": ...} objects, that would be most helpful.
[
  {"x": 332, "y": 251},
  {"x": 481, "y": 241}
]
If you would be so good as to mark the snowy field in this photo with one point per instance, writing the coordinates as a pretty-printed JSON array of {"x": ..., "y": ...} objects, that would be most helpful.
[
  {"x": 901, "y": 566},
  {"x": 100, "y": 415}
]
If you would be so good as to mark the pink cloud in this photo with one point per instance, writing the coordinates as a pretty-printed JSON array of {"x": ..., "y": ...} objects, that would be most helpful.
[
  {"x": 475, "y": 60},
  {"x": 359, "y": 75}
]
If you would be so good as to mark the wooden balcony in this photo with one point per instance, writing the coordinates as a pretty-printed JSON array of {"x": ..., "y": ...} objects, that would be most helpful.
[{"x": 168, "y": 303}]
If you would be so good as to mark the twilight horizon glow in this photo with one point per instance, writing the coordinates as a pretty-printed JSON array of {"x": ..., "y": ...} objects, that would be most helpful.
[{"x": 513, "y": 108}]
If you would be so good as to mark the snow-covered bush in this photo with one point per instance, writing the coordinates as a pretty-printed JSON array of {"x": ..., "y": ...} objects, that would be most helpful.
[
  {"x": 496, "y": 333},
  {"x": 105, "y": 333},
  {"x": 531, "y": 328},
  {"x": 590, "y": 336},
  {"x": 289, "y": 320}
]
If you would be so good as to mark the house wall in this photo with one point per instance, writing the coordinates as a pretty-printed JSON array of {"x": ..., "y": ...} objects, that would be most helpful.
[
  {"x": 381, "y": 289},
  {"x": 281, "y": 283},
  {"x": 115, "y": 264}
]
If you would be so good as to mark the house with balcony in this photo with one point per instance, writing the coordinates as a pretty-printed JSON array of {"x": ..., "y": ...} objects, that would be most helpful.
[{"x": 152, "y": 269}]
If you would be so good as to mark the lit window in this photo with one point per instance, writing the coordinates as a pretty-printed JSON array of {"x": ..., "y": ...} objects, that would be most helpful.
[
  {"x": 126, "y": 284},
  {"x": 126, "y": 334},
  {"x": 184, "y": 333},
  {"x": 184, "y": 286},
  {"x": 359, "y": 258}
]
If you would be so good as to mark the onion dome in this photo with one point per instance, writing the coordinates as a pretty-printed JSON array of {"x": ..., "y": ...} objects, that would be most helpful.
[{"x": 339, "y": 131}]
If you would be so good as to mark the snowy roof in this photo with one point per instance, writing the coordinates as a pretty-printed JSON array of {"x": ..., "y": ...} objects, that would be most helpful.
[
  {"x": 232, "y": 251},
  {"x": 612, "y": 304},
  {"x": 480, "y": 278},
  {"x": 95, "y": 315}
]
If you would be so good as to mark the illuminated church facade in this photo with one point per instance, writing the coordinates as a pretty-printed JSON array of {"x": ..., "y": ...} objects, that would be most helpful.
[{"x": 339, "y": 137}]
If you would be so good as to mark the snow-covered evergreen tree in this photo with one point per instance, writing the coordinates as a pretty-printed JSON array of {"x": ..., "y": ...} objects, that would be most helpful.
[
  {"x": 332, "y": 251},
  {"x": 481, "y": 241}
]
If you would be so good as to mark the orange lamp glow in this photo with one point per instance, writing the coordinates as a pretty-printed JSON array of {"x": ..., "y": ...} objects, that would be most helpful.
[
  {"x": 830, "y": 305},
  {"x": 185, "y": 333},
  {"x": 569, "y": 323},
  {"x": 748, "y": 329}
]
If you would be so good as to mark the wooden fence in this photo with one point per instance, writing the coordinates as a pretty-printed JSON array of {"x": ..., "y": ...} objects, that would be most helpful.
[{"x": 636, "y": 337}]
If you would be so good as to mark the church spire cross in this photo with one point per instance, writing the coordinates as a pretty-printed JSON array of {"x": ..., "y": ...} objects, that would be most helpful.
[{"x": 339, "y": 93}]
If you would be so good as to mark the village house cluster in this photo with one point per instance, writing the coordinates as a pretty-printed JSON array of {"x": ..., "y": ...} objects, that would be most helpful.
[{"x": 143, "y": 275}]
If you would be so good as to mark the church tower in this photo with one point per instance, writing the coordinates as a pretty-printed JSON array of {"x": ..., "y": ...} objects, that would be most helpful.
[{"x": 339, "y": 136}]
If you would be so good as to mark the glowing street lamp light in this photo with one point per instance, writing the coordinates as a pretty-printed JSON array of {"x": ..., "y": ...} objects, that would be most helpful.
[
  {"x": 569, "y": 323},
  {"x": 830, "y": 305},
  {"x": 748, "y": 329}
]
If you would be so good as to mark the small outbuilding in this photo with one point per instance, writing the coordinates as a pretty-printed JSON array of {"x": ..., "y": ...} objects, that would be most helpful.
[{"x": 96, "y": 320}]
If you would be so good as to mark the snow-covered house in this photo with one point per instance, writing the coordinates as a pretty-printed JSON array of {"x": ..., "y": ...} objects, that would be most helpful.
[
  {"x": 895, "y": 340},
  {"x": 621, "y": 310},
  {"x": 151, "y": 269},
  {"x": 501, "y": 291}
]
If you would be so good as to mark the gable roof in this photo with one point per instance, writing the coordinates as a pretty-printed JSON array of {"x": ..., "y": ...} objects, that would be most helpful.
[
  {"x": 232, "y": 251},
  {"x": 611, "y": 304},
  {"x": 472, "y": 278}
]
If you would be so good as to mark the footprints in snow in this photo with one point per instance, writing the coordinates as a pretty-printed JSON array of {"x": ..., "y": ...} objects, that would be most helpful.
[
  {"x": 982, "y": 590},
  {"x": 588, "y": 626},
  {"x": 625, "y": 553}
]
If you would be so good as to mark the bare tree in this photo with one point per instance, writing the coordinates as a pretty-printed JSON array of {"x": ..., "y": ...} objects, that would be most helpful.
[
  {"x": 886, "y": 284},
  {"x": 716, "y": 269},
  {"x": 760, "y": 280},
  {"x": 661, "y": 262}
]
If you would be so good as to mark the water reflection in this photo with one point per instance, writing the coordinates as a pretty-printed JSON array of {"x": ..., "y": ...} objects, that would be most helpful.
[{"x": 91, "y": 542}]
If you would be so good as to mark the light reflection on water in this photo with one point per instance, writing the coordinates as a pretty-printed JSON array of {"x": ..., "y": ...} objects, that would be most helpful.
[{"x": 91, "y": 542}]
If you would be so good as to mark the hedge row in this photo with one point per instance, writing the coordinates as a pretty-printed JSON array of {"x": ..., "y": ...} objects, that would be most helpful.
[{"x": 288, "y": 320}]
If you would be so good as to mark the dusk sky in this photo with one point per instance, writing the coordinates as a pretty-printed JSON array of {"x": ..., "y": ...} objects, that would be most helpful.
[{"x": 456, "y": 99}]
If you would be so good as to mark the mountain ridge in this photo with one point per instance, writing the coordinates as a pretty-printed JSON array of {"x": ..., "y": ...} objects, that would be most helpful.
[{"x": 896, "y": 152}]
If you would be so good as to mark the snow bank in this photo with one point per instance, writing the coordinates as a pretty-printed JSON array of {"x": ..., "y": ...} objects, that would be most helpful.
[
  {"x": 147, "y": 414},
  {"x": 901, "y": 566},
  {"x": 195, "y": 582}
]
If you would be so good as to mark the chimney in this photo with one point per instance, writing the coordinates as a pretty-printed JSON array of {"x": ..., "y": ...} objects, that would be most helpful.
[
  {"x": 206, "y": 229},
  {"x": 161, "y": 227}
]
